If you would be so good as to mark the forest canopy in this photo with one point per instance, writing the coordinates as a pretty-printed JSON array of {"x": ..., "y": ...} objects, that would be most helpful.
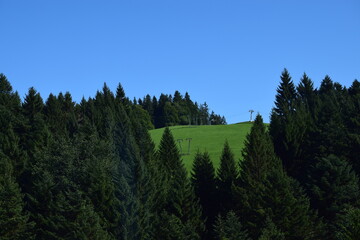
[{"x": 90, "y": 170}]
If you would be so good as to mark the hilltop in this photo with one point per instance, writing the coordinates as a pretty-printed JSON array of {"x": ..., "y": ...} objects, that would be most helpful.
[{"x": 206, "y": 137}]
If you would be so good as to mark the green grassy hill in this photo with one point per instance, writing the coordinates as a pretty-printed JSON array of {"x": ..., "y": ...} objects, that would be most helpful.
[{"x": 210, "y": 138}]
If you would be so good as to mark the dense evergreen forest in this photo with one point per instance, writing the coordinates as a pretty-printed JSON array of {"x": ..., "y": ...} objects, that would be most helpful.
[{"x": 91, "y": 171}]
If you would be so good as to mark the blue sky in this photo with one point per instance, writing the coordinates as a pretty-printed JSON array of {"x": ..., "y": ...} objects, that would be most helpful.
[{"x": 227, "y": 53}]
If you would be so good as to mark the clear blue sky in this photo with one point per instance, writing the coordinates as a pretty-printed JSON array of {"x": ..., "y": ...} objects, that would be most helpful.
[{"x": 227, "y": 53}]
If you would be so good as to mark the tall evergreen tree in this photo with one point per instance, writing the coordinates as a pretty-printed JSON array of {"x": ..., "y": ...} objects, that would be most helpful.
[
  {"x": 288, "y": 207},
  {"x": 204, "y": 182},
  {"x": 180, "y": 200},
  {"x": 284, "y": 129},
  {"x": 14, "y": 221},
  {"x": 230, "y": 228},
  {"x": 329, "y": 125},
  {"x": 226, "y": 177},
  {"x": 258, "y": 161},
  {"x": 333, "y": 187},
  {"x": 352, "y": 122},
  {"x": 37, "y": 135}
]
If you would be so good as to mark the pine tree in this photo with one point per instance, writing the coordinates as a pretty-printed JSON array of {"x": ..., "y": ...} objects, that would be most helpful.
[{"x": 226, "y": 177}]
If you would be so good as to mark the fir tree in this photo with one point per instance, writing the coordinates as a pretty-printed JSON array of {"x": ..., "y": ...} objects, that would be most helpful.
[
  {"x": 258, "y": 161},
  {"x": 348, "y": 225},
  {"x": 329, "y": 125},
  {"x": 271, "y": 232},
  {"x": 37, "y": 135},
  {"x": 288, "y": 207},
  {"x": 333, "y": 187},
  {"x": 180, "y": 199},
  {"x": 226, "y": 177},
  {"x": 204, "y": 183},
  {"x": 285, "y": 128},
  {"x": 230, "y": 228},
  {"x": 14, "y": 221}
]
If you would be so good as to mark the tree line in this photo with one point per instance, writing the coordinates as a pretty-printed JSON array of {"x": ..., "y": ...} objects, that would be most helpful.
[
  {"x": 178, "y": 110},
  {"x": 91, "y": 171}
]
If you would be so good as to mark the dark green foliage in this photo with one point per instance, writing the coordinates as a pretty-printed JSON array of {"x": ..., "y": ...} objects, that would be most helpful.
[
  {"x": 258, "y": 161},
  {"x": 230, "y": 228},
  {"x": 60, "y": 115},
  {"x": 226, "y": 177},
  {"x": 329, "y": 125},
  {"x": 286, "y": 204},
  {"x": 90, "y": 171},
  {"x": 333, "y": 187},
  {"x": 10, "y": 142},
  {"x": 270, "y": 232},
  {"x": 95, "y": 172},
  {"x": 204, "y": 183},
  {"x": 352, "y": 122},
  {"x": 265, "y": 192},
  {"x": 348, "y": 225},
  {"x": 36, "y": 135},
  {"x": 178, "y": 110},
  {"x": 287, "y": 126},
  {"x": 216, "y": 119},
  {"x": 57, "y": 205},
  {"x": 179, "y": 198},
  {"x": 14, "y": 221},
  {"x": 258, "y": 154}
]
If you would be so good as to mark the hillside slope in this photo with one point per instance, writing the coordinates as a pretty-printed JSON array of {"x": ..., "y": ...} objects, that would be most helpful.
[{"x": 210, "y": 138}]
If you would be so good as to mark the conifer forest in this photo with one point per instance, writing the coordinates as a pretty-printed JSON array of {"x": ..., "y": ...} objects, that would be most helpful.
[{"x": 89, "y": 170}]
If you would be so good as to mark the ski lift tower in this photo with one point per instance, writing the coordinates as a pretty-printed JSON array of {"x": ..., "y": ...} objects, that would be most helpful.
[{"x": 251, "y": 112}]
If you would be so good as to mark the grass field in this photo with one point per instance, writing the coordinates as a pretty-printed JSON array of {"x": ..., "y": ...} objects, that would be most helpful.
[{"x": 209, "y": 138}]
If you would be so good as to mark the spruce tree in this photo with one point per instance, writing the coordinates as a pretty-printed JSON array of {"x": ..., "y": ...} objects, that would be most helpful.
[
  {"x": 180, "y": 199},
  {"x": 286, "y": 125},
  {"x": 95, "y": 166},
  {"x": 230, "y": 228},
  {"x": 288, "y": 207},
  {"x": 258, "y": 161},
  {"x": 352, "y": 122},
  {"x": 36, "y": 135},
  {"x": 264, "y": 191},
  {"x": 57, "y": 203},
  {"x": 14, "y": 220},
  {"x": 333, "y": 187},
  {"x": 227, "y": 174},
  {"x": 271, "y": 232},
  {"x": 329, "y": 125},
  {"x": 258, "y": 154},
  {"x": 204, "y": 182},
  {"x": 348, "y": 225}
]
